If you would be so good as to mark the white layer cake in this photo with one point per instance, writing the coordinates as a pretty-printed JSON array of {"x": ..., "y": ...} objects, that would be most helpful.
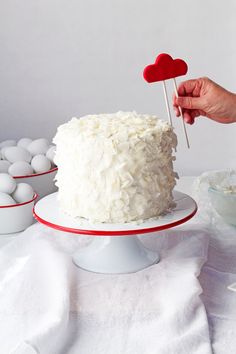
[{"x": 115, "y": 167}]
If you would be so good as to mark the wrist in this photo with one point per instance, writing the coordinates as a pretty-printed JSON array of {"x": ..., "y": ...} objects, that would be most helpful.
[{"x": 233, "y": 107}]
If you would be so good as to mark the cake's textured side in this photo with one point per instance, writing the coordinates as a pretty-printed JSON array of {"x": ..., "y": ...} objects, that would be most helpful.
[{"x": 115, "y": 167}]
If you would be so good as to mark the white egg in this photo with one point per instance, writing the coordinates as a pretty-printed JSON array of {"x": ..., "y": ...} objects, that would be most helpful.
[
  {"x": 17, "y": 153},
  {"x": 7, "y": 183},
  {"x": 20, "y": 168},
  {"x": 7, "y": 143},
  {"x": 24, "y": 142},
  {"x": 51, "y": 153},
  {"x": 38, "y": 146},
  {"x": 4, "y": 166},
  {"x": 6, "y": 199},
  {"x": 23, "y": 193},
  {"x": 40, "y": 163}
]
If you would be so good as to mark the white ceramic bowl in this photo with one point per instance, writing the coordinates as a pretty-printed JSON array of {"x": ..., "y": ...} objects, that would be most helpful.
[
  {"x": 42, "y": 183},
  {"x": 224, "y": 204},
  {"x": 16, "y": 217}
]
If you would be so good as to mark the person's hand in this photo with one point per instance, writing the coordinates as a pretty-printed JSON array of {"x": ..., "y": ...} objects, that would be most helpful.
[{"x": 203, "y": 97}]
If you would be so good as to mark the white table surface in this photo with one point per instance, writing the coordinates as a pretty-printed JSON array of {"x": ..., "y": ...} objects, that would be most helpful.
[{"x": 220, "y": 318}]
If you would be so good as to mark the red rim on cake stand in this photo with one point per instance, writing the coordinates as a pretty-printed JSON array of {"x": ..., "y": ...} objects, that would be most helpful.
[{"x": 116, "y": 248}]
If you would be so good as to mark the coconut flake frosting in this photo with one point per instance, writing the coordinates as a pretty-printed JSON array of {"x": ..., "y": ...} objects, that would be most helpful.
[{"x": 115, "y": 167}]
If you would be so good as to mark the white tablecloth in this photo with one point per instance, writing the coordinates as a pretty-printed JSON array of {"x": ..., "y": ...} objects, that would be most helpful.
[{"x": 47, "y": 305}]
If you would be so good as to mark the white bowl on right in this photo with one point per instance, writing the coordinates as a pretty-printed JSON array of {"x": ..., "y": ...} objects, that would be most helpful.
[{"x": 224, "y": 204}]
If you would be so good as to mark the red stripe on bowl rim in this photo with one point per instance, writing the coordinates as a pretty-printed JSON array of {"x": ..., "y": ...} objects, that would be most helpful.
[
  {"x": 37, "y": 174},
  {"x": 20, "y": 204}
]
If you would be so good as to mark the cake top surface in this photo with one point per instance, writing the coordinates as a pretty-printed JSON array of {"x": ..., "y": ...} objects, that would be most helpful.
[{"x": 126, "y": 124}]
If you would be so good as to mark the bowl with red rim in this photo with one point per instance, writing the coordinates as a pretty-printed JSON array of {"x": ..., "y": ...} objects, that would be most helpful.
[
  {"x": 42, "y": 183},
  {"x": 16, "y": 217}
]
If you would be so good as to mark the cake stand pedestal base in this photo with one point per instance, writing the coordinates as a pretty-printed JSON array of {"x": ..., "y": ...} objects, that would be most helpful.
[
  {"x": 115, "y": 255},
  {"x": 116, "y": 249}
]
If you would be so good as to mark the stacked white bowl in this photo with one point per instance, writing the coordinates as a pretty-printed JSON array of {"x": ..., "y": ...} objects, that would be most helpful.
[
  {"x": 30, "y": 161},
  {"x": 16, "y": 204}
]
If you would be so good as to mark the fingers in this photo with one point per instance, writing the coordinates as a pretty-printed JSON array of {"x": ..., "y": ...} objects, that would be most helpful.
[
  {"x": 187, "y": 87},
  {"x": 189, "y": 116},
  {"x": 175, "y": 106},
  {"x": 189, "y": 102},
  {"x": 177, "y": 111},
  {"x": 188, "y": 96}
]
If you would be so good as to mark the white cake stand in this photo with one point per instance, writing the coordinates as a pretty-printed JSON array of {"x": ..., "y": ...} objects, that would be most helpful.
[{"x": 116, "y": 247}]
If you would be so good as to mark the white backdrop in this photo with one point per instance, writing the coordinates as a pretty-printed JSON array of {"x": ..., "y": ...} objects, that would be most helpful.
[{"x": 70, "y": 58}]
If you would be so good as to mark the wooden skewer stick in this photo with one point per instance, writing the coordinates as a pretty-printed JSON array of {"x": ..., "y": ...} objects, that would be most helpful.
[
  {"x": 181, "y": 112},
  {"x": 167, "y": 102}
]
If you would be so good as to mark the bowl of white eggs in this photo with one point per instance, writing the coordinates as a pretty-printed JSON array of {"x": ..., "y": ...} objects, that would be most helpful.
[
  {"x": 16, "y": 205},
  {"x": 30, "y": 161}
]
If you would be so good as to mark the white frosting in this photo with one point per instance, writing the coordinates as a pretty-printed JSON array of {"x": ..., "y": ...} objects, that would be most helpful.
[{"x": 115, "y": 167}]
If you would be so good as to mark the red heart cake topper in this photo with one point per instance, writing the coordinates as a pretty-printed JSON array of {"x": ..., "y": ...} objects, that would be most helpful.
[{"x": 164, "y": 68}]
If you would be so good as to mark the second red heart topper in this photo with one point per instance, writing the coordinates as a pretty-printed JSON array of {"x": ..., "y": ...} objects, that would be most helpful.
[{"x": 165, "y": 68}]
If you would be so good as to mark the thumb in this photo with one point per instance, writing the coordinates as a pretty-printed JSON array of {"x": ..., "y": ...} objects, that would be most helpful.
[{"x": 189, "y": 102}]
